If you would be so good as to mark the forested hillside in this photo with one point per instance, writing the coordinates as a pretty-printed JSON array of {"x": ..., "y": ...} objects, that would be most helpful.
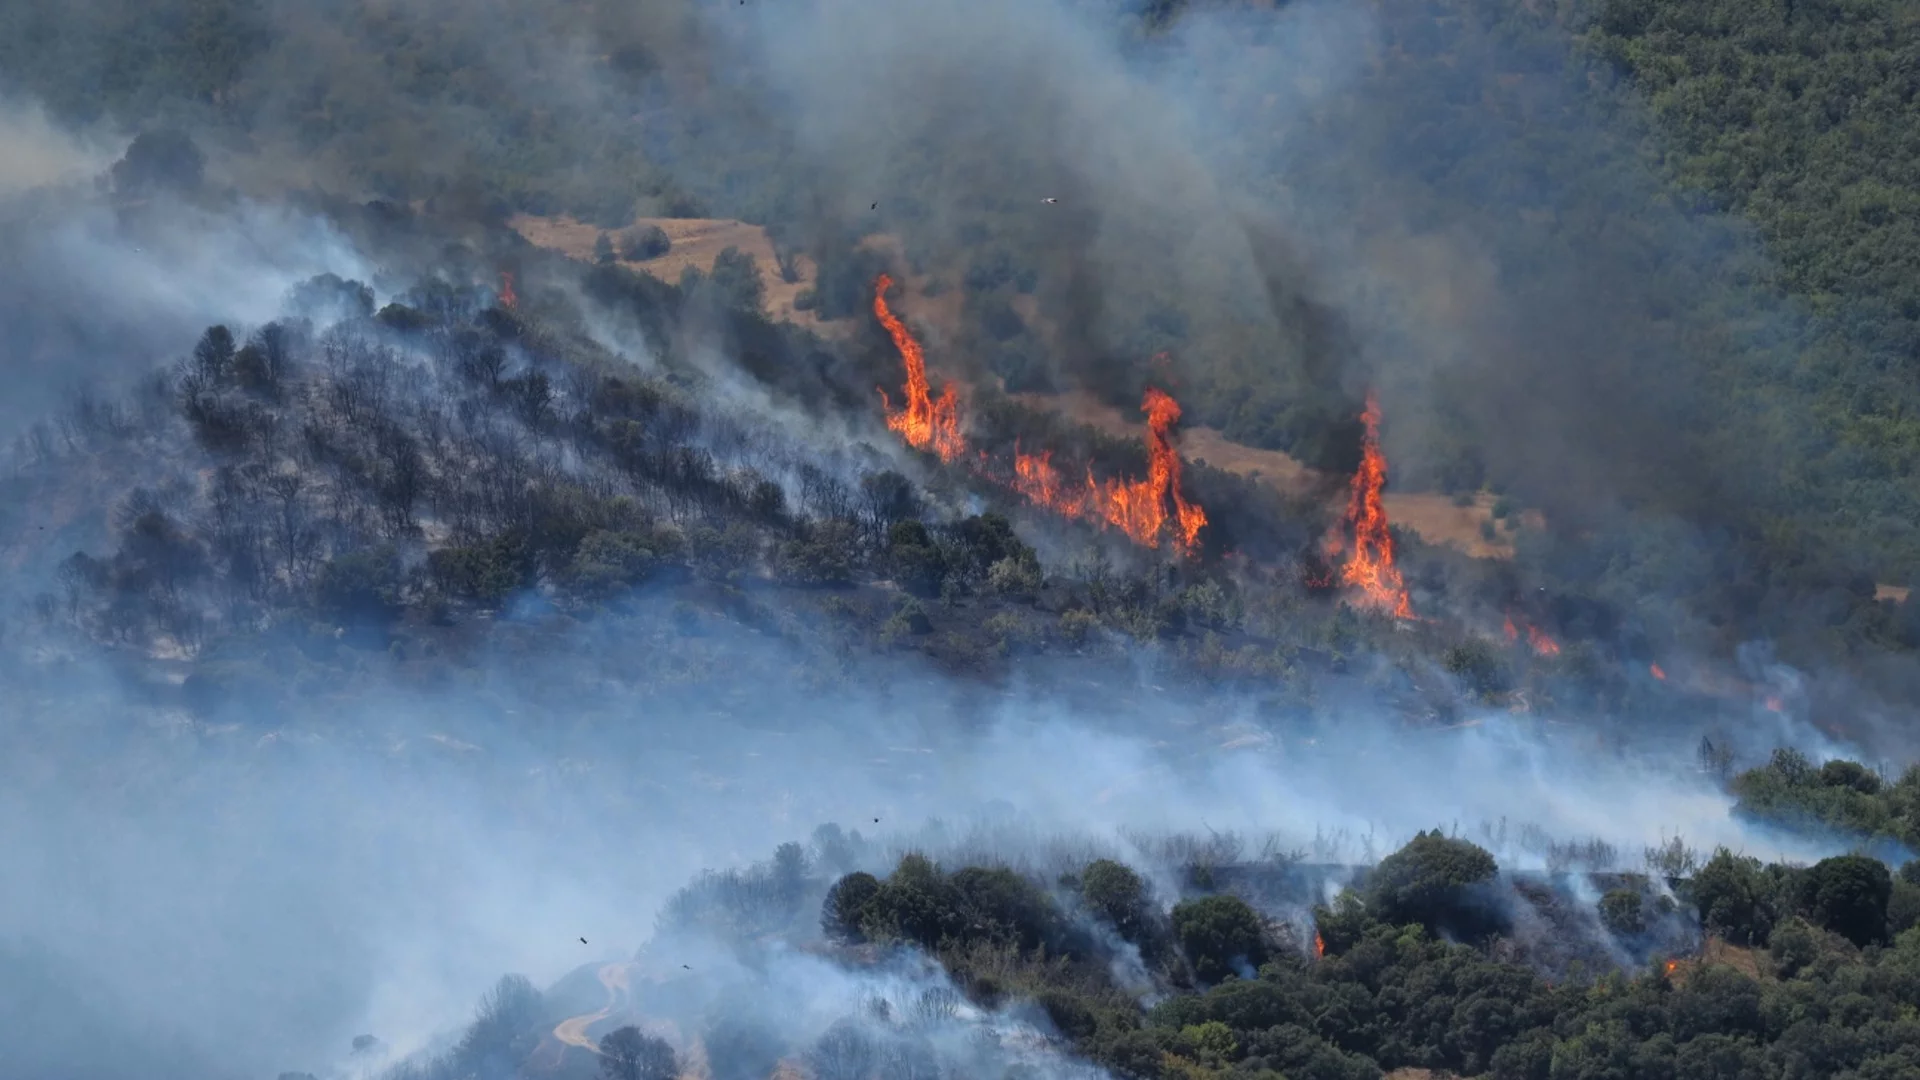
[{"x": 1638, "y": 276}]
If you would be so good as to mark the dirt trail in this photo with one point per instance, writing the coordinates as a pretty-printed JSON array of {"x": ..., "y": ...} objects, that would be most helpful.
[{"x": 573, "y": 1031}]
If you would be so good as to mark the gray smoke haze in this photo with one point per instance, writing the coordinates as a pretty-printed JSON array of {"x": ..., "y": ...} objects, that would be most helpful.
[
  {"x": 236, "y": 899},
  {"x": 371, "y": 863}
]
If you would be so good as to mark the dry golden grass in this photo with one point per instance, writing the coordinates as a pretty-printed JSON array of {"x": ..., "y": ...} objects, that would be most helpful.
[{"x": 696, "y": 242}]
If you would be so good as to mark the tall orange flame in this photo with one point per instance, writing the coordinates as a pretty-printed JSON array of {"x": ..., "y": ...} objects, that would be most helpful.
[
  {"x": 926, "y": 422},
  {"x": 508, "y": 298},
  {"x": 1370, "y": 567},
  {"x": 1137, "y": 508},
  {"x": 1319, "y": 945}
]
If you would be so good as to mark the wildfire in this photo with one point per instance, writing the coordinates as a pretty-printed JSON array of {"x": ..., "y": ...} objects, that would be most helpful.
[
  {"x": 507, "y": 296},
  {"x": 1137, "y": 508},
  {"x": 1370, "y": 567},
  {"x": 1774, "y": 704},
  {"x": 1537, "y": 639},
  {"x": 926, "y": 422},
  {"x": 1319, "y": 945},
  {"x": 1657, "y": 672},
  {"x": 1673, "y": 966}
]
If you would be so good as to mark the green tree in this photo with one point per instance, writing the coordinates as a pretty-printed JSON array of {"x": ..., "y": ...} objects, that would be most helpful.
[
  {"x": 1219, "y": 935},
  {"x": 845, "y": 907},
  {"x": 1435, "y": 881},
  {"x": 628, "y": 1054},
  {"x": 1848, "y": 895}
]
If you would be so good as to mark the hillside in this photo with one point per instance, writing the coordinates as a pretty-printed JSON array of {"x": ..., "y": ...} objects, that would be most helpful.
[{"x": 1212, "y": 540}]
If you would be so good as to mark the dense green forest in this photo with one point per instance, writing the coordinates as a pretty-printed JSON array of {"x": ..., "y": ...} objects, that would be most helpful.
[{"x": 1434, "y": 958}]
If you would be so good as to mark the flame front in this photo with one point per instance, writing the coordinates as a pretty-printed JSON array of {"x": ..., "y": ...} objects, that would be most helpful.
[
  {"x": 1319, "y": 945},
  {"x": 926, "y": 422},
  {"x": 1657, "y": 672},
  {"x": 508, "y": 299},
  {"x": 1137, "y": 508},
  {"x": 1370, "y": 567}
]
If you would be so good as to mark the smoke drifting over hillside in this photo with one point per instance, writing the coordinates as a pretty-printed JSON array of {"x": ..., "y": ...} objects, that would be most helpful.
[{"x": 240, "y": 888}]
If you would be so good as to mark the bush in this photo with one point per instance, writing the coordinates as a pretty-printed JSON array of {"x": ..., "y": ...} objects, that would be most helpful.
[
  {"x": 1848, "y": 895},
  {"x": 1622, "y": 913},
  {"x": 1220, "y": 936},
  {"x": 646, "y": 242},
  {"x": 1117, "y": 895},
  {"x": 1435, "y": 882},
  {"x": 485, "y": 572},
  {"x": 846, "y": 906},
  {"x": 608, "y": 563},
  {"x": 1734, "y": 898}
]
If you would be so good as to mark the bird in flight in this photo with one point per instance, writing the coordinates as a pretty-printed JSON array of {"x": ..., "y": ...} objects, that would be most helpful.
[
  {"x": 875, "y": 206},
  {"x": 689, "y": 967},
  {"x": 583, "y": 941},
  {"x": 1050, "y": 200}
]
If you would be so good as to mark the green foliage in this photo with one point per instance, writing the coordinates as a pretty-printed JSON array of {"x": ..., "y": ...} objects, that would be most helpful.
[
  {"x": 1220, "y": 936},
  {"x": 1735, "y": 898},
  {"x": 628, "y": 1054},
  {"x": 1841, "y": 796},
  {"x": 1434, "y": 882},
  {"x": 1622, "y": 912},
  {"x": 485, "y": 572},
  {"x": 824, "y": 555},
  {"x": 845, "y": 908},
  {"x": 1848, "y": 895},
  {"x": 608, "y": 563},
  {"x": 1477, "y": 665},
  {"x": 918, "y": 565},
  {"x": 1117, "y": 895}
]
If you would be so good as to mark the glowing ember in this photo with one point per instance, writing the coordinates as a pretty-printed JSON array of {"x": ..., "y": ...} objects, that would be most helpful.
[
  {"x": 1369, "y": 567},
  {"x": 926, "y": 422},
  {"x": 508, "y": 299},
  {"x": 1774, "y": 704},
  {"x": 1137, "y": 508},
  {"x": 1657, "y": 672},
  {"x": 1673, "y": 966}
]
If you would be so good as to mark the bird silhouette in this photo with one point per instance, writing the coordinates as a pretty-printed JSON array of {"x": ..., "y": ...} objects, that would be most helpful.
[
  {"x": 583, "y": 941},
  {"x": 875, "y": 206},
  {"x": 1050, "y": 200},
  {"x": 689, "y": 967}
]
